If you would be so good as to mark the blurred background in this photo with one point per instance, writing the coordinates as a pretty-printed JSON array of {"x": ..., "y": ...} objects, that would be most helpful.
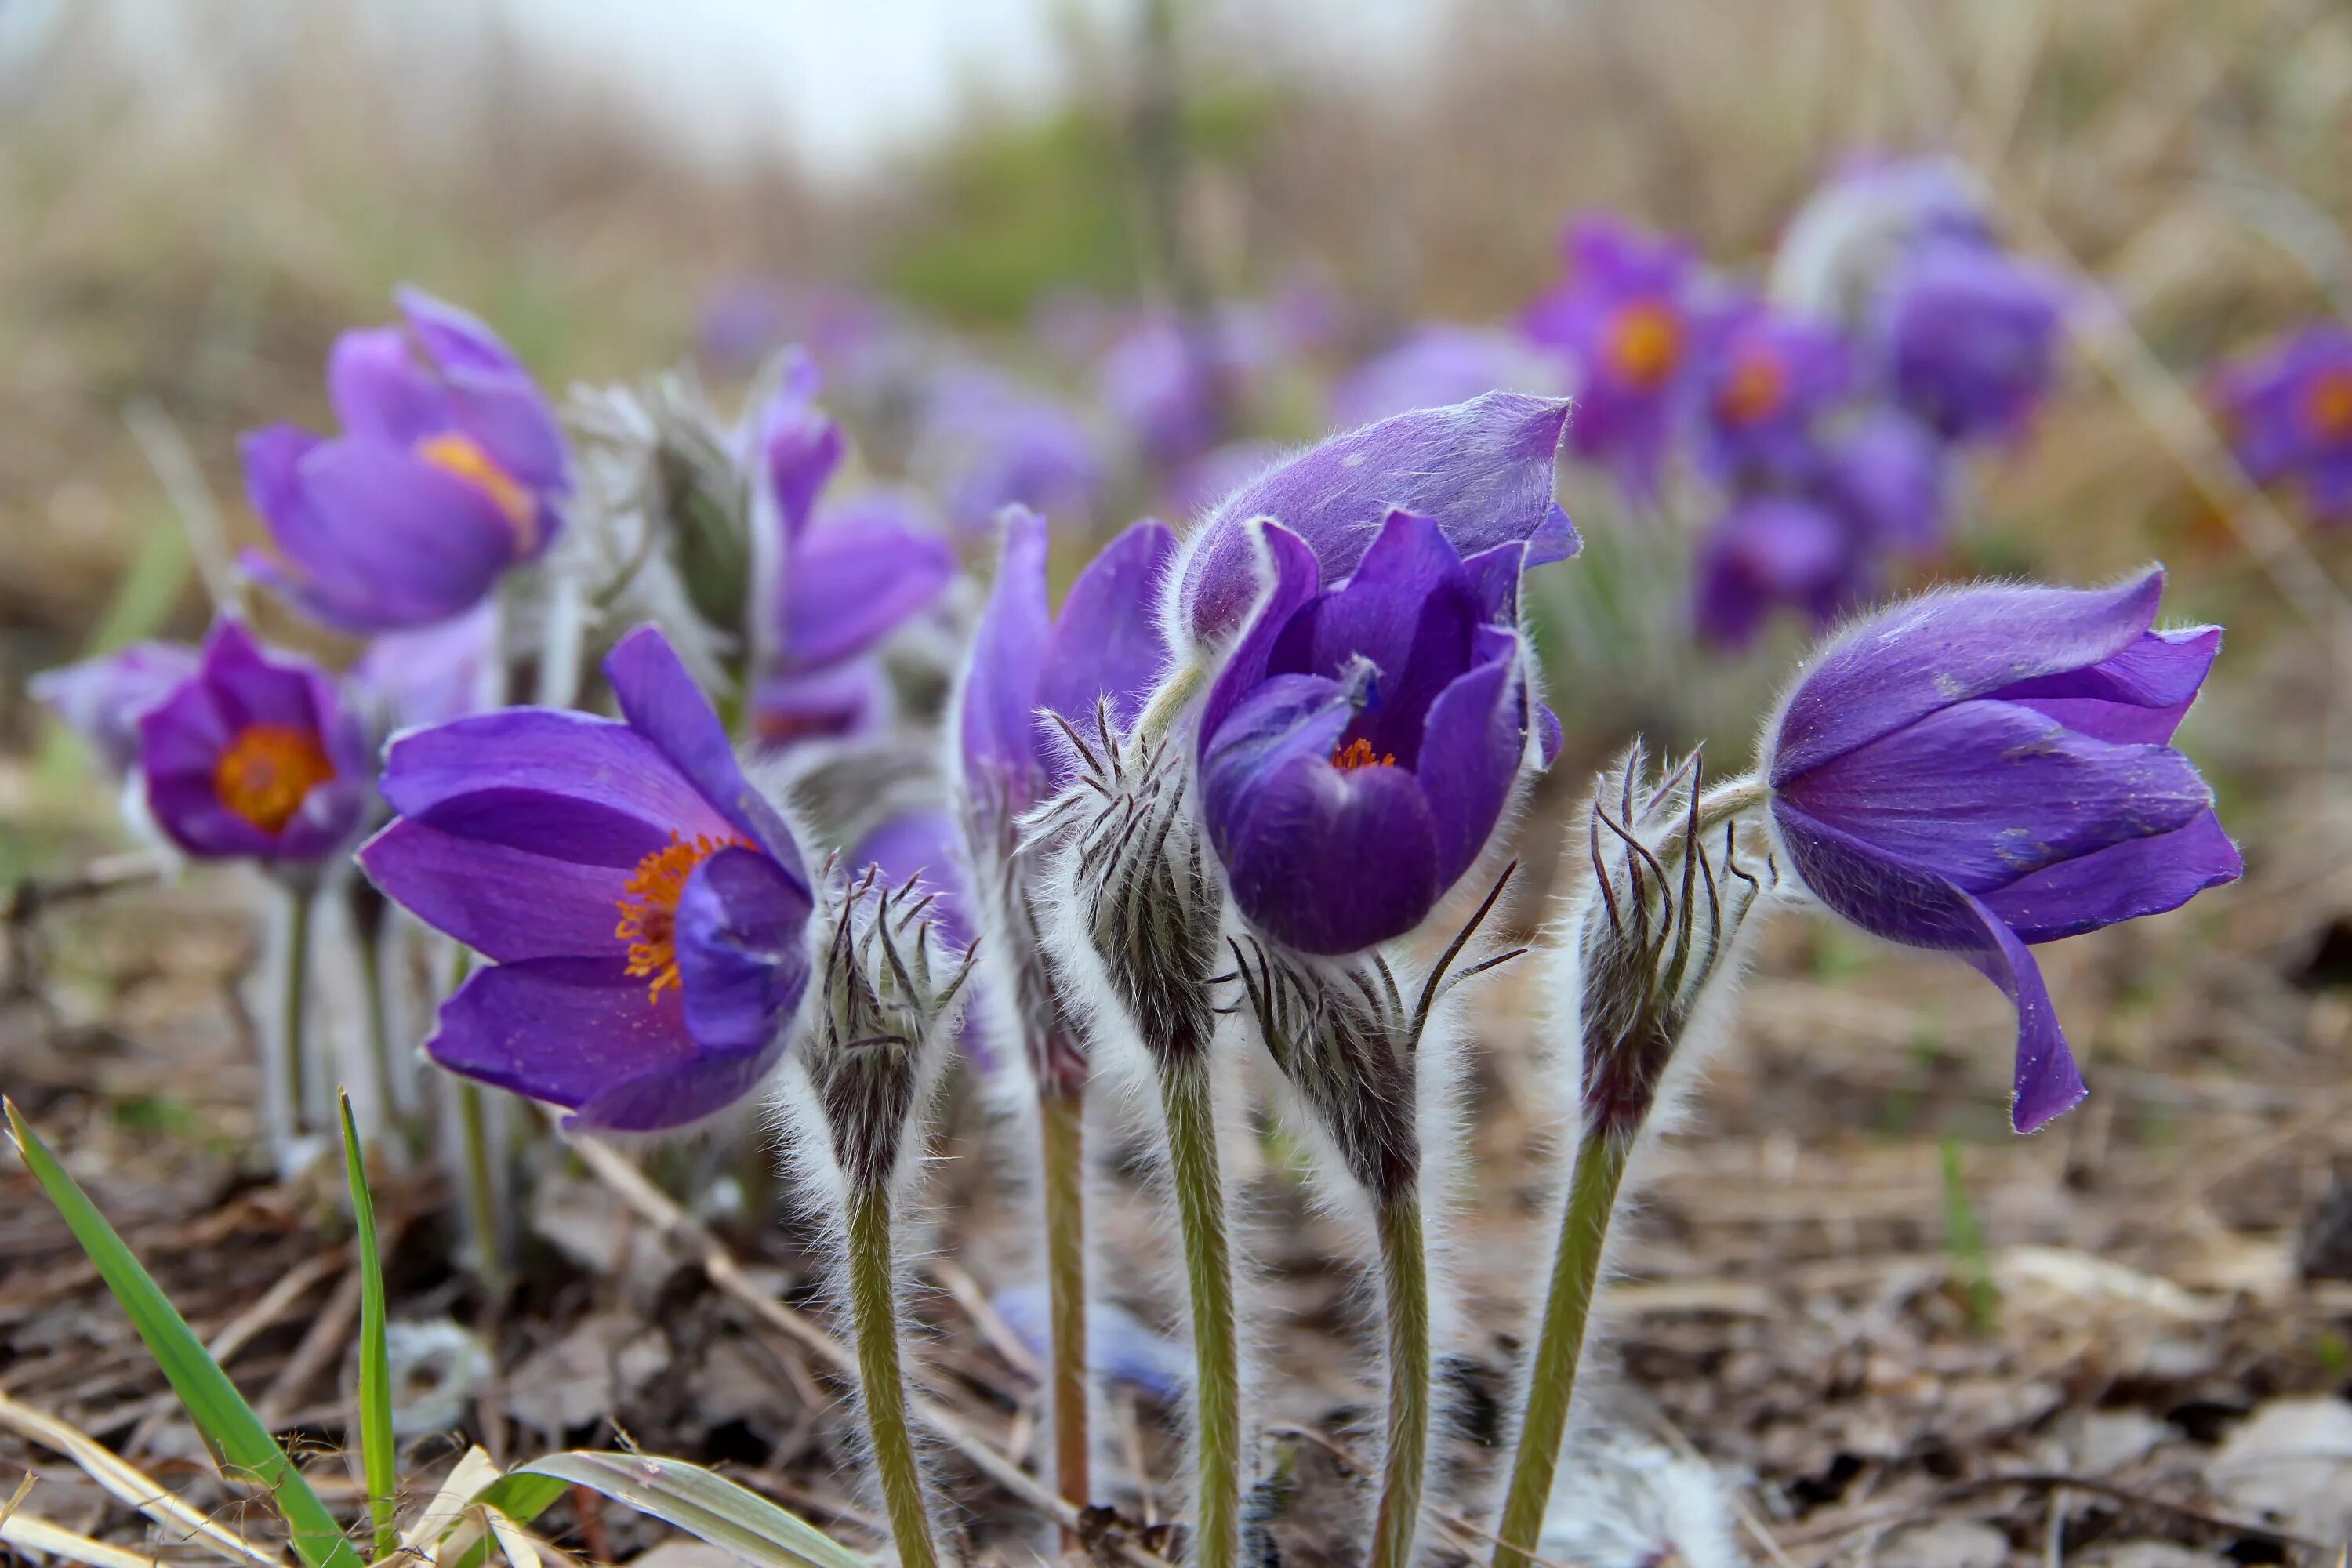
[{"x": 196, "y": 198}]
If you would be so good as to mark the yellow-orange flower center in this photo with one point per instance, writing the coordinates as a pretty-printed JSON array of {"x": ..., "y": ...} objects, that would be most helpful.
[
  {"x": 462, "y": 456},
  {"x": 1358, "y": 753},
  {"x": 266, "y": 771},
  {"x": 1644, "y": 343},
  {"x": 1754, "y": 390},
  {"x": 2327, "y": 405},
  {"x": 648, "y": 906}
]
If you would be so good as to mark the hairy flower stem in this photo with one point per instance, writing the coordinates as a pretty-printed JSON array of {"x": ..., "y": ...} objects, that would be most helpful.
[
  {"x": 481, "y": 1186},
  {"x": 881, "y": 1375},
  {"x": 1404, "y": 1291},
  {"x": 1559, "y": 1344},
  {"x": 293, "y": 1009},
  {"x": 1168, "y": 703},
  {"x": 1061, "y": 1121},
  {"x": 366, "y": 947},
  {"x": 1185, "y": 1097}
]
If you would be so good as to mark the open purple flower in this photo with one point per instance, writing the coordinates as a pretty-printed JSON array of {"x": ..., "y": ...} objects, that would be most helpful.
[
  {"x": 645, "y": 906},
  {"x": 1361, "y": 743},
  {"x": 1985, "y": 769},
  {"x": 1481, "y": 470},
  {"x": 102, "y": 699},
  {"x": 1026, "y": 661},
  {"x": 254, "y": 757},
  {"x": 448, "y": 471},
  {"x": 2288, "y": 412},
  {"x": 1764, "y": 379},
  {"x": 1625, "y": 315},
  {"x": 1439, "y": 364},
  {"x": 989, "y": 443},
  {"x": 852, "y": 572},
  {"x": 1971, "y": 338},
  {"x": 1771, "y": 552}
]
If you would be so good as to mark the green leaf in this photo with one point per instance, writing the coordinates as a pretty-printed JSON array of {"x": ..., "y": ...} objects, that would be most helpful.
[
  {"x": 708, "y": 1507},
  {"x": 379, "y": 1454},
  {"x": 237, "y": 1438}
]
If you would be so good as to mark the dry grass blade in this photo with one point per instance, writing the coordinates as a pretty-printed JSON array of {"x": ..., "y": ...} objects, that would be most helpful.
[
  {"x": 28, "y": 1534},
  {"x": 128, "y": 1485}
]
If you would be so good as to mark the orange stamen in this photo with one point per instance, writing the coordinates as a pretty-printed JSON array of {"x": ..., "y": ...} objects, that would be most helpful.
[
  {"x": 648, "y": 906},
  {"x": 267, "y": 771},
  {"x": 1758, "y": 383},
  {"x": 462, "y": 456},
  {"x": 2327, "y": 405},
  {"x": 1644, "y": 343},
  {"x": 1358, "y": 753}
]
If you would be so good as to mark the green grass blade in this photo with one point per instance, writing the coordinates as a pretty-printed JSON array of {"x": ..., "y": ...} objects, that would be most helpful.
[
  {"x": 706, "y": 1506},
  {"x": 1964, "y": 1239},
  {"x": 378, "y": 1454},
  {"x": 237, "y": 1438}
]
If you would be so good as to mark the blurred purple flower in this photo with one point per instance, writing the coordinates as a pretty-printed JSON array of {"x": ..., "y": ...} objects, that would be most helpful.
[
  {"x": 2288, "y": 412},
  {"x": 1437, "y": 364},
  {"x": 448, "y": 471},
  {"x": 102, "y": 699},
  {"x": 990, "y": 444},
  {"x": 1216, "y": 473},
  {"x": 1771, "y": 552},
  {"x": 433, "y": 674},
  {"x": 1625, "y": 315},
  {"x": 1120, "y": 1348},
  {"x": 1889, "y": 475},
  {"x": 645, "y": 906},
  {"x": 1859, "y": 224},
  {"x": 255, "y": 757},
  {"x": 1359, "y": 744},
  {"x": 1971, "y": 339},
  {"x": 1167, "y": 381},
  {"x": 1764, "y": 379},
  {"x": 920, "y": 843},
  {"x": 1984, "y": 769},
  {"x": 1481, "y": 471}
]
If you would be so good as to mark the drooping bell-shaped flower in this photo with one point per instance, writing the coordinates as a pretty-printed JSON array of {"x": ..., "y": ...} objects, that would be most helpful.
[
  {"x": 1361, "y": 741},
  {"x": 450, "y": 469},
  {"x": 1625, "y": 316},
  {"x": 255, "y": 757},
  {"x": 1481, "y": 472},
  {"x": 1981, "y": 770},
  {"x": 2287, "y": 410},
  {"x": 646, "y": 907}
]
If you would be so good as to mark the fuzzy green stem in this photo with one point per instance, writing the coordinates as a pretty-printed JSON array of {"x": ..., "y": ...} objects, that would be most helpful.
[
  {"x": 1185, "y": 1098},
  {"x": 481, "y": 1185},
  {"x": 1404, "y": 1290},
  {"x": 1168, "y": 702},
  {"x": 1568, "y": 1311},
  {"x": 294, "y": 1007},
  {"x": 874, "y": 1316},
  {"x": 1062, "y": 1121}
]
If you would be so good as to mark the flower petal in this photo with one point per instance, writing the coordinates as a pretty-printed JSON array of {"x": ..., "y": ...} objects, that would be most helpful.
[
  {"x": 1288, "y": 578},
  {"x": 789, "y": 706},
  {"x": 1482, "y": 470},
  {"x": 1983, "y": 793},
  {"x": 854, "y": 577},
  {"x": 378, "y": 391},
  {"x": 743, "y": 955},
  {"x": 102, "y": 699},
  {"x": 563, "y": 1030},
  {"x": 2121, "y": 882},
  {"x": 1470, "y": 758},
  {"x": 1107, "y": 638},
  {"x": 2138, "y": 694},
  {"x": 920, "y": 844},
  {"x": 1941, "y": 649},
  {"x": 504, "y": 902},
  {"x": 996, "y": 714}
]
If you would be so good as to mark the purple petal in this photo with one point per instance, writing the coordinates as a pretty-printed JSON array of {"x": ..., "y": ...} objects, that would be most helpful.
[
  {"x": 2137, "y": 695},
  {"x": 1288, "y": 578},
  {"x": 1482, "y": 470},
  {"x": 564, "y": 785},
  {"x": 662, "y": 703},
  {"x": 1931, "y": 652},
  {"x": 997, "y": 725},
  {"x": 456, "y": 340},
  {"x": 561, "y": 1030},
  {"x": 799, "y": 446},
  {"x": 1477, "y": 736},
  {"x": 378, "y": 391},
  {"x": 2121, "y": 882},
  {"x": 102, "y": 700},
  {"x": 792, "y": 706},
  {"x": 851, "y": 580},
  {"x": 666, "y": 1098},
  {"x": 920, "y": 844},
  {"x": 505, "y": 903},
  {"x": 1119, "y": 1347},
  {"x": 1325, "y": 860},
  {"x": 1106, "y": 639},
  {"x": 1983, "y": 793},
  {"x": 743, "y": 955},
  {"x": 1495, "y": 574},
  {"x": 432, "y": 674}
]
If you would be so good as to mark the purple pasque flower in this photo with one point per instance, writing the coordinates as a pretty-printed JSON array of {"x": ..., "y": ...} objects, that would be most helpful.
[
  {"x": 2288, "y": 412},
  {"x": 1984, "y": 769},
  {"x": 1891, "y": 477},
  {"x": 255, "y": 757},
  {"x": 989, "y": 443},
  {"x": 449, "y": 469},
  {"x": 1438, "y": 363},
  {"x": 1971, "y": 336},
  {"x": 850, "y": 572},
  {"x": 102, "y": 699},
  {"x": 645, "y": 905},
  {"x": 1359, "y": 744},
  {"x": 1028, "y": 662},
  {"x": 1764, "y": 378},
  {"x": 1481, "y": 471},
  {"x": 1775, "y": 551},
  {"x": 1625, "y": 317},
  {"x": 918, "y": 845},
  {"x": 1860, "y": 223},
  {"x": 1166, "y": 380},
  {"x": 433, "y": 674}
]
